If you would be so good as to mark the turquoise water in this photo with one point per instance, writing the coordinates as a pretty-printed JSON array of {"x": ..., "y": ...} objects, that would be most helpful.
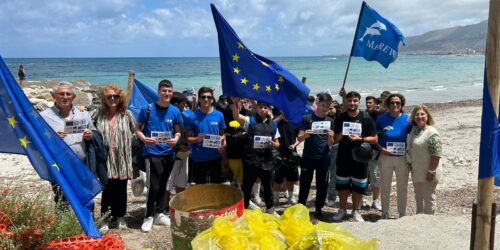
[{"x": 419, "y": 78}]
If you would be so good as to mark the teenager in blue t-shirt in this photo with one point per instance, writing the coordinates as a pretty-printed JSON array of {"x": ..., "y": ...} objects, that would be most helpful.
[
  {"x": 160, "y": 131},
  {"x": 393, "y": 128},
  {"x": 206, "y": 152}
]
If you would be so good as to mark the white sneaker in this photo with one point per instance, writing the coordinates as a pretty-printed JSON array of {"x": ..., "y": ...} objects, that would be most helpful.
[
  {"x": 122, "y": 224},
  {"x": 276, "y": 197},
  {"x": 330, "y": 203},
  {"x": 287, "y": 195},
  {"x": 357, "y": 216},
  {"x": 162, "y": 219},
  {"x": 377, "y": 205},
  {"x": 339, "y": 215},
  {"x": 104, "y": 228},
  {"x": 272, "y": 212},
  {"x": 147, "y": 224},
  {"x": 252, "y": 205},
  {"x": 292, "y": 200},
  {"x": 258, "y": 201}
]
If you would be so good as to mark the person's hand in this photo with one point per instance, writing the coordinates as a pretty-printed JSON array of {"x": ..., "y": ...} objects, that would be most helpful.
[
  {"x": 87, "y": 134},
  {"x": 172, "y": 142},
  {"x": 61, "y": 134},
  {"x": 273, "y": 144},
  {"x": 222, "y": 149},
  {"x": 355, "y": 138},
  {"x": 292, "y": 147},
  {"x": 81, "y": 108},
  {"x": 385, "y": 152},
  {"x": 342, "y": 92},
  {"x": 308, "y": 133},
  {"x": 330, "y": 133},
  {"x": 200, "y": 137},
  {"x": 149, "y": 141},
  {"x": 429, "y": 177}
]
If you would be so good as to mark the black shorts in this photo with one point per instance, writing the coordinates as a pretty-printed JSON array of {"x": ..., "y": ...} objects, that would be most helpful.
[
  {"x": 351, "y": 175},
  {"x": 290, "y": 173}
]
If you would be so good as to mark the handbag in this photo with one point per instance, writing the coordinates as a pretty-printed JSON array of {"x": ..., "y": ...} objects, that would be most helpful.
[{"x": 138, "y": 160}]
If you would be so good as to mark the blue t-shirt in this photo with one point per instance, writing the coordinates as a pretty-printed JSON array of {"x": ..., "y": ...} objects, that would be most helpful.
[
  {"x": 209, "y": 124},
  {"x": 392, "y": 129},
  {"x": 162, "y": 120}
]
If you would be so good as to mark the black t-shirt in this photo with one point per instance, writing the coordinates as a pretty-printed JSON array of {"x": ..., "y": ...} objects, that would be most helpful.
[
  {"x": 288, "y": 135},
  {"x": 367, "y": 129},
  {"x": 316, "y": 146}
]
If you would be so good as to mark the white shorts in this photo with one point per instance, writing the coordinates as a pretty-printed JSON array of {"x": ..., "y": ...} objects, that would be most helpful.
[{"x": 179, "y": 175}]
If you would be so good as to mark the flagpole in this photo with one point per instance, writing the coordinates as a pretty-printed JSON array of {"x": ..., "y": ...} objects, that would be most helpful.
[
  {"x": 353, "y": 42},
  {"x": 485, "y": 186},
  {"x": 130, "y": 86}
]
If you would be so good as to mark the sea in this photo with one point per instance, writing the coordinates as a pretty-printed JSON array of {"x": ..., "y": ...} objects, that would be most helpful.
[{"x": 420, "y": 78}]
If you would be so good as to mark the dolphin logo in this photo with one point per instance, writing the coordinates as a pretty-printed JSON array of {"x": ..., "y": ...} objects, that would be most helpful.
[{"x": 374, "y": 29}]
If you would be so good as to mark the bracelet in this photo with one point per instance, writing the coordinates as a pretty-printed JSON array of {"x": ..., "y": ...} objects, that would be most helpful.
[{"x": 433, "y": 172}]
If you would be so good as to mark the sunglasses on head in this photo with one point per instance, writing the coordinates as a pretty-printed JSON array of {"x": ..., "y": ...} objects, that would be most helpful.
[
  {"x": 206, "y": 97},
  {"x": 112, "y": 97}
]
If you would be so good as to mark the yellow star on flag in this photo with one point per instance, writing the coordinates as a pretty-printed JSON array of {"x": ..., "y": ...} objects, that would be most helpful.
[
  {"x": 24, "y": 142},
  {"x": 240, "y": 46},
  {"x": 236, "y": 57},
  {"x": 236, "y": 70},
  {"x": 244, "y": 81},
  {"x": 12, "y": 121},
  {"x": 268, "y": 88},
  {"x": 280, "y": 79},
  {"x": 256, "y": 87},
  {"x": 55, "y": 166},
  {"x": 276, "y": 86},
  {"x": 265, "y": 64}
]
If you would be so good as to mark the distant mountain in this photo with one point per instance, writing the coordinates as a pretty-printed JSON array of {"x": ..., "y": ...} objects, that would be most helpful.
[{"x": 470, "y": 39}]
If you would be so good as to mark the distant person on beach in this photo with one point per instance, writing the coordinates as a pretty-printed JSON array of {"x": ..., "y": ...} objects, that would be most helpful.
[
  {"x": 64, "y": 112},
  {"x": 352, "y": 128},
  {"x": 393, "y": 128},
  {"x": 205, "y": 133},
  {"x": 22, "y": 76},
  {"x": 423, "y": 153},
  {"x": 117, "y": 125},
  {"x": 158, "y": 126},
  {"x": 260, "y": 151},
  {"x": 317, "y": 133},
  {"x": 333, "y": 111},
  {"x": 373, "y": 170}
]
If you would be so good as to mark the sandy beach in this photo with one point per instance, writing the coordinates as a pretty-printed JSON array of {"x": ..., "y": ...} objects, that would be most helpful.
[{"x": 459, "y": 127}]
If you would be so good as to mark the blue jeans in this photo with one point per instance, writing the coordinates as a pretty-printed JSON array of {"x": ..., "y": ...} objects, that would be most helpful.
[{"x": 332, "y": 193}]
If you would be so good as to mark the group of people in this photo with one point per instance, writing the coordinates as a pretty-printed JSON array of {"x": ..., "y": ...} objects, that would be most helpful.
[{"x": 252, "y": 144}]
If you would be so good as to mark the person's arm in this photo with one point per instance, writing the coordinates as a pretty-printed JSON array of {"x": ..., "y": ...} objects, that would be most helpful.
[
  {"x": 147, "y": 140},
  {"x": 343, "y": 93},
  {"x": 235, "y": 109},
  {"x": 274, "y": 144},
  {"x": 337, "y": 138},
  {"x": 435, "y": 149},
  {"x": 222, "y": 141},
  {"x": 194, "y": 139},
  {"x": 177, "y": 134}
]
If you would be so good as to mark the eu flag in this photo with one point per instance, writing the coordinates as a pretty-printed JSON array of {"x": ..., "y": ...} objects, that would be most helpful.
[
  {"x": 24, "y": 131},
  {"x": 489, "y": 149},
  {"x": 376, "y": 38},
  {"x": 248, "y": 75},
  {"x": 142, "y": 95}
]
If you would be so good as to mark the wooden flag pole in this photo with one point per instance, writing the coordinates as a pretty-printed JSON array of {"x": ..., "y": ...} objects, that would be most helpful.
[
  {"x": 485, "y": 186},
  {"x": 130, "y": 86},
  {"x": 353, "y": 43}
]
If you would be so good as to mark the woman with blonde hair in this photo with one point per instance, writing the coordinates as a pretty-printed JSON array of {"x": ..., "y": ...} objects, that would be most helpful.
[
  {"x": 423, "y": 154},
  {"x": 116, "y": 124}
]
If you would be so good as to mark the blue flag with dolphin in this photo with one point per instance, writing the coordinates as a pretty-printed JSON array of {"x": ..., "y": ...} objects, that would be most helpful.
[
  {"x": 376, "y": 39},
  {"x": 24, "y": 131}
]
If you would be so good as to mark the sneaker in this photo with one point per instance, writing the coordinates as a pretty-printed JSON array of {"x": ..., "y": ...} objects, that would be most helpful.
[
  {"x": 318, "y": 214},
  {"x": 330, "y": 203},
  {"x": 258, "y": 201},
  {"x": 384, "y": 216},
  {"x": 147, "y": 224},
  {"x": 377, "y": 205},
  {"x": 271, "y": 211},
  {"x": 252, "y": 205},
  {"x": 292, "y": 200},
  {"x": 162, "y": 219},
  {"x": 357, "y": 216},
  {"x": 339, "y": 215},
  {"x": 104, "y": 228},
  {"x": 122, "y": 224}
]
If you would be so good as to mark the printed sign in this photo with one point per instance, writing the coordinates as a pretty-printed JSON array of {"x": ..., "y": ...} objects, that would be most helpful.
[
  {"x": 396, "y": 148},
  {"x": 321, "y": 127},
  {"x": 212, "y": 141},
  {"x": 161, "y": 137},
  {"x": 351, "y": 128},
  {"x": 261, "y": 141},
  {"x": 75, "y": 126}
]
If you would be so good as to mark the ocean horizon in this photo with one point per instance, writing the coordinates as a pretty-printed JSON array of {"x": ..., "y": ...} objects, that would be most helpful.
[{"x": 420, "y": 78}]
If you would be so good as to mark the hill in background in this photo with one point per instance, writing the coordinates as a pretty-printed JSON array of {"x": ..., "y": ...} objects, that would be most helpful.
[{"x": 469, "y": 39}]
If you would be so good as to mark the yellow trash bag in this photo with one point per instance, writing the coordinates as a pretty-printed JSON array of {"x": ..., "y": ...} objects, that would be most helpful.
[
  {"x": 328, "y": 236},
  {"x": 294, "y": 223},
  {"x": 264, "y": 230}
]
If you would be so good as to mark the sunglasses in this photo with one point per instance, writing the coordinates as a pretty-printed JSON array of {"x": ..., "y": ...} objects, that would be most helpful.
[
  {"x": 206, "y": 97},
  {"x": 63, "y": 94},
  {"x": 112, "y": 97},
  {"x": 395, "y": 103}
]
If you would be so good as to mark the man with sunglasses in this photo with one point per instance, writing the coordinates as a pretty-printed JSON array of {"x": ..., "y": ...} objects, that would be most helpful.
[
  {"x": 205, "y": 132},
  {"x": 59, "y": 117},
  {"x": 160, "y": 133}
]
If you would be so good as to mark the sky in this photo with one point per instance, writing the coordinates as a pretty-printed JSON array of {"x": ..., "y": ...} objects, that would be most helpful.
[{"x": 175, "y": 28}]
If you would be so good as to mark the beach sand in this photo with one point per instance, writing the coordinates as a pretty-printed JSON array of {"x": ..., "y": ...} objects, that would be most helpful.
[{"x": 459, "y": 127}]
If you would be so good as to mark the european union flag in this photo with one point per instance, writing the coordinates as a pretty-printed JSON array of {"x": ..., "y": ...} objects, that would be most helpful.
[
  {"x": 142, "y": 95},
  {"x": 24, "y": 131},
  {"x": 489, "y": 149},
  {"x": 376, "y": 38},
  {"x": 248, "y": 75}
]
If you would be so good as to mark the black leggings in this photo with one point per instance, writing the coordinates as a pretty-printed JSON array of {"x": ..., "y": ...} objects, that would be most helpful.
[{"x": 250, "y": 174}]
